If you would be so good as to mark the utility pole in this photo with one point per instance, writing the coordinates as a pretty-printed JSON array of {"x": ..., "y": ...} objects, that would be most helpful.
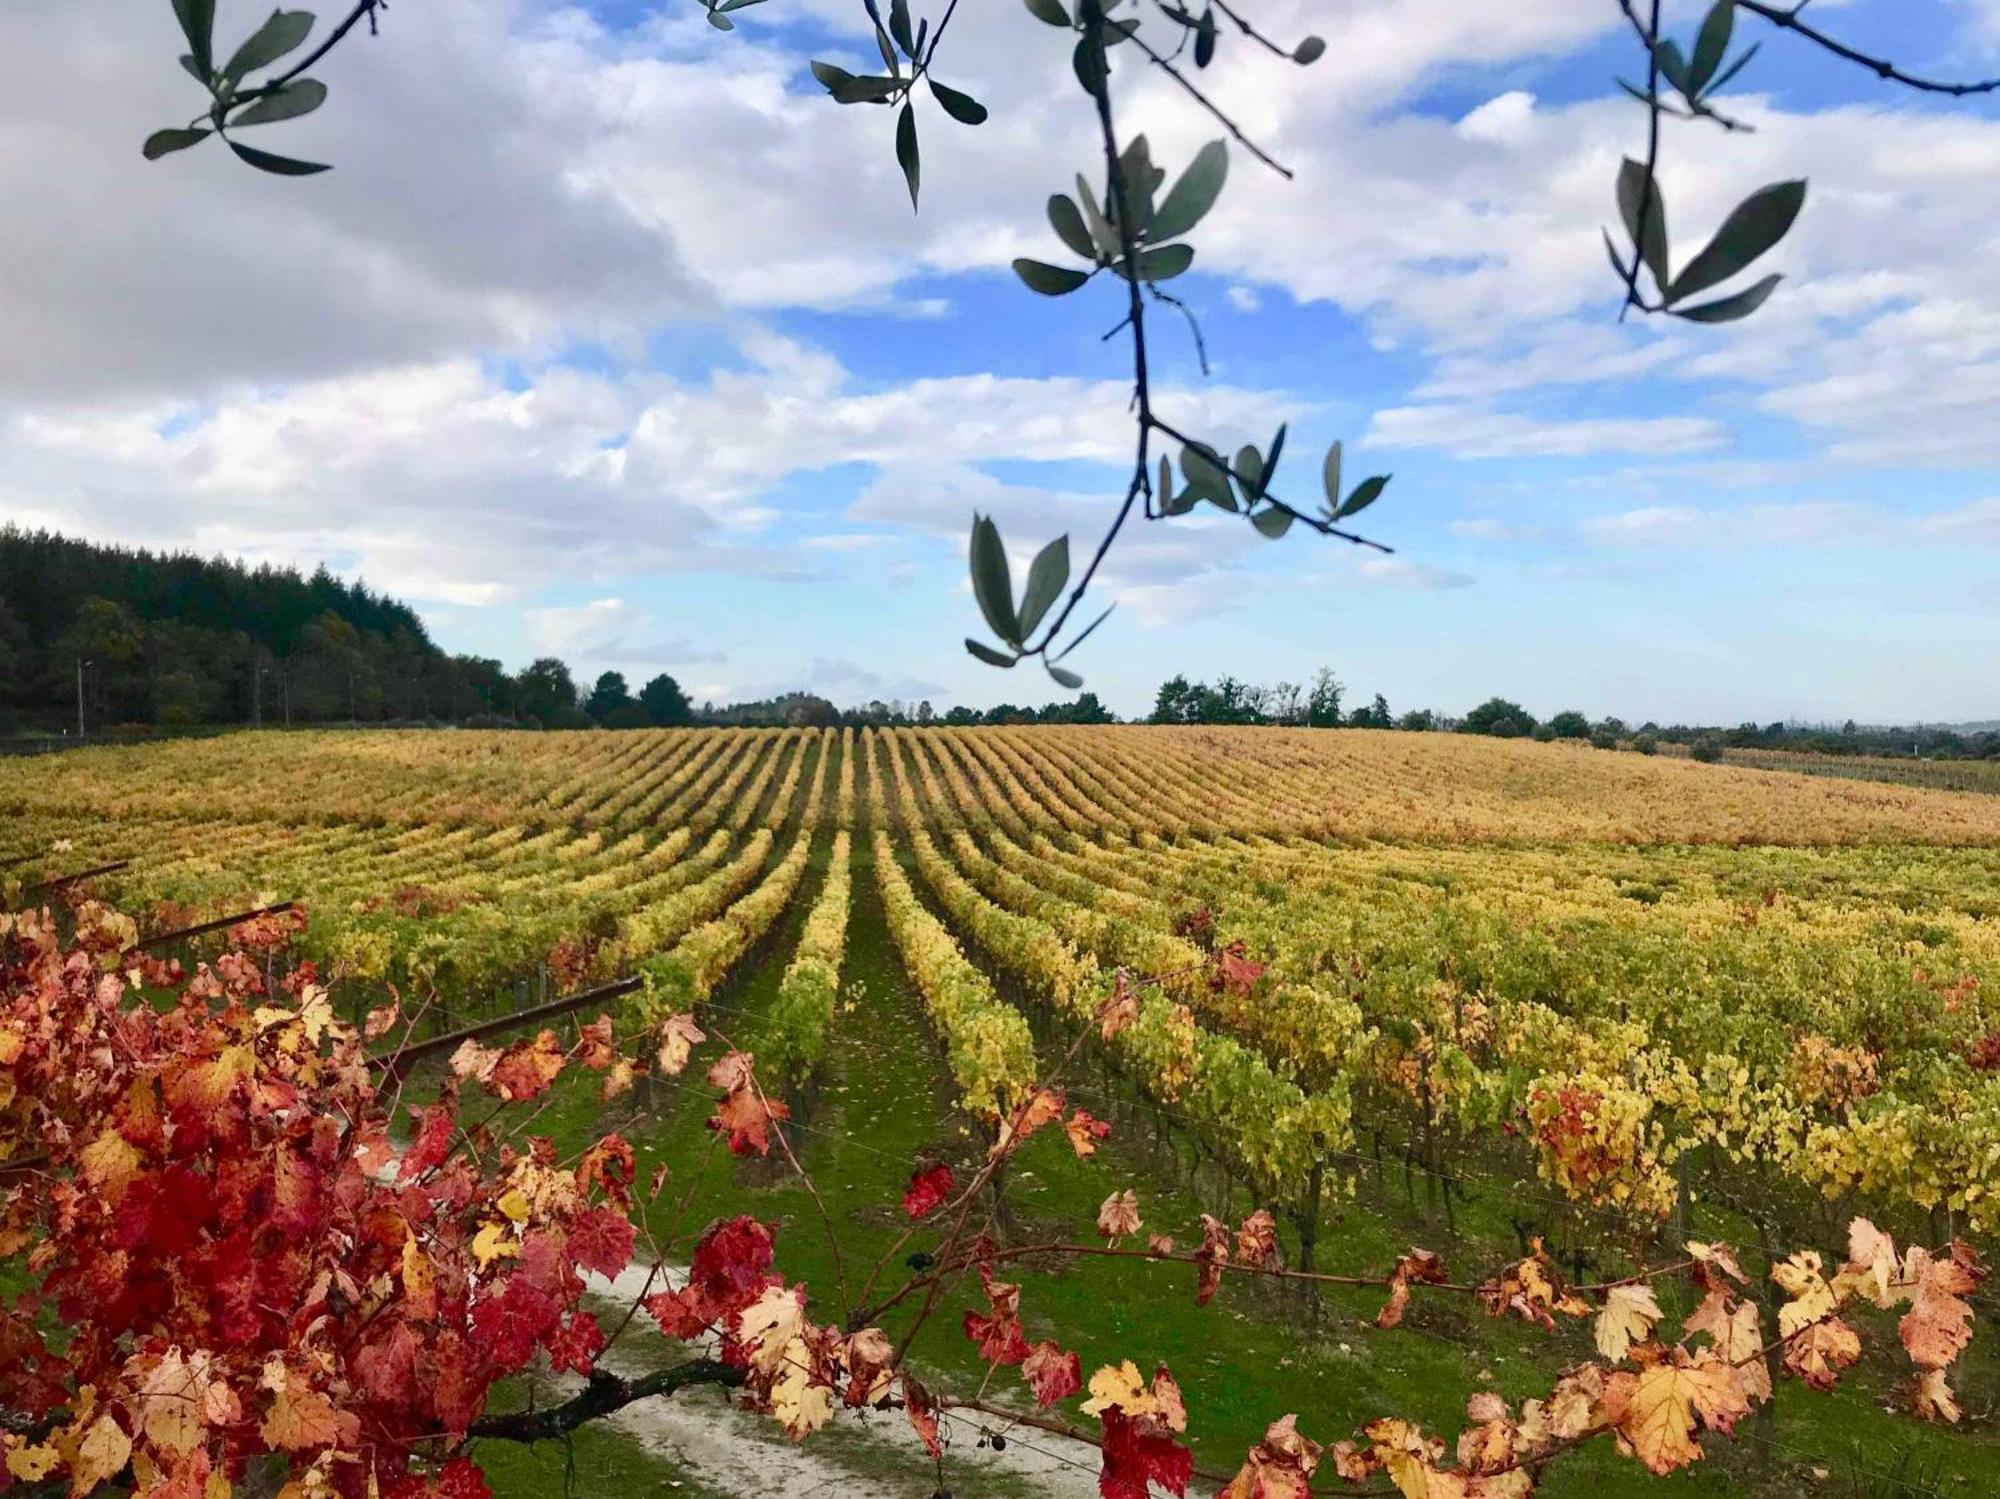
[
  {"x": 80, "y": 665},
  {"x": 256, "y": 693}
]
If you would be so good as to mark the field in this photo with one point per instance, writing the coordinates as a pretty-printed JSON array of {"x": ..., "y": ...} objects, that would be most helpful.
[{"x": 1775, "y": 991}]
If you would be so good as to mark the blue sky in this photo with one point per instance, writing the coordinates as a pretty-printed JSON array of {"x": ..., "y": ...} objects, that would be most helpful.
[{"x": 609, "y": 336}]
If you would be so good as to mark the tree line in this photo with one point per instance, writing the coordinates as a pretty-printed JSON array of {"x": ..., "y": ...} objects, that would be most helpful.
[{"x": 1321, "y": 704}]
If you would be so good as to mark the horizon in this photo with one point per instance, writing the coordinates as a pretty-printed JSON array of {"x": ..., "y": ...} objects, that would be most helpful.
[{"x": 607, "y": 425}]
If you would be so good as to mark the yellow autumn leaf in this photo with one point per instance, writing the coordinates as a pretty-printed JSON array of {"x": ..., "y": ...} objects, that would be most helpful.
[
  {"x": 801, "y": 1406},
  {"x": 33, "y": 1464},
  {"x": 1628, "y": 1317},
  {"x": 492, "y": 1242},
  {"x": 769, "y": 1325},
  {"x": 100, "y": 1456}
]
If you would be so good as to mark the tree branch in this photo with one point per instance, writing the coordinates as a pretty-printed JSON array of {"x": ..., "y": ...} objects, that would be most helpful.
[
  {"x": 1786, "y": 18},
  {"x": 604, "y": 1394}
]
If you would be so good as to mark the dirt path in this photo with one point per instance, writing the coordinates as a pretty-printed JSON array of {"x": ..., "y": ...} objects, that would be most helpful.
[{"x": 865, "y": 1455}]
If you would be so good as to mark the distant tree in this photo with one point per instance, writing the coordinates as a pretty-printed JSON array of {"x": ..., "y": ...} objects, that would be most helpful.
[
  {"x": 1418, "y": 721},
  {"x": 1707, "y": 750},
  {"x": 1288, "y": 703},
  {"x": 1088, "y": 709},
  {"x": 959, "y": 716},
  {"x": 1646, "y": 744},
  {"x": 1375, "y": 716},
  {"x": 630, "y": 714},
  {"x": 1612, "y": 728},
  {"x": 1500, "y": 718},
  {"x": 608, "y": 695},
  {"x": 925, "y": 712},
  {"x": 665, "y": 704},
  {"x": 1178, "y": 701},
  {"x": 1323, "y": 704},
  {"x": 545, "y": 692},
  {"x": 1570, "y": 724}
]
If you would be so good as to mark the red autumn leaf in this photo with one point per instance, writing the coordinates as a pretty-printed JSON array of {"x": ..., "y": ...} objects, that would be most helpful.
[
  {"x": 922, "y": 1411},
  {"x": 461, "y": 1478},
  {"x": 576, "y": 1344},
  {"x": 1051, "y": 1373},
  {"x": 601, "y": 1240},
  {"x": 1085, "y": 1132},
  {"x": 527, "y": 1068},
  {"x": 746, "y": 1116},
  {"x": 1235, "y": 971},
  {"x": 1211, "y": 1257},
  {"x": 997, "y": 1330},
  {"x": 930, "y": 1188},
  {"x": 1139, "y": 1453}
]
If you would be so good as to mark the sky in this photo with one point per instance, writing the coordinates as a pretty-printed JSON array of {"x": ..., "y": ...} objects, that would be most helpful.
[{"x": 611, "y": 337}]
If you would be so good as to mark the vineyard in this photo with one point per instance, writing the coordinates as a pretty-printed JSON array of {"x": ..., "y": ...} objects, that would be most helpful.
[{"x": 1513, "y": 1002}]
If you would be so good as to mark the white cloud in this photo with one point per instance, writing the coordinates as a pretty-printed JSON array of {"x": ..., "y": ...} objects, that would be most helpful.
[
  {"x": 613, "y": 632},
  {"x": 1469, "y": 431},
  {"x": 1977, "y": 522},
  {"x": 1503, "y": 120},
  {"x": 1804, "y": 523}
]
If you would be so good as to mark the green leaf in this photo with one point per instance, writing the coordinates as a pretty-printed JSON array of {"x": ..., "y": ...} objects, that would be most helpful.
[
  {"x": 1668, "y": 56},
  {"x": 197, "y": 18},
  {"x": 285, "y": 31},
  {"x": 1754, "y": 226},
  {"x": 1046, "y": 577},
  {"x": 161, "y": 142},
  {"x": 1712, "y": 44},
  {"x": 1272, "y": 521},
  {"x": 992, "y": 583},
  {"x": 1164, "y": 263},
  {"x": 300, "y": 97},
  {"x": 1194, "y": 194},
  {"x": 1366, "y": 493},
  {"x": 1250, "y": 471},
  {"x": 906, "y": 150},
  {"x": 1729, "y": 309},
  {"x": 1100, "y": 226},
  {"x": 1050, "y": 11},
  {"x": 1065, "y": 677},
  {"x": 833, "y": 77},
  {"x": 1088, "y": 631},
  {"x": 899, "y": 27},
  {"x": 1087, "y": 66},
  {"x": 1138, "y": 179},
  {"x": 961, "y": 107},
  {"x": 1067, "y": 221},
  {"x": 1636, "y": 187},
  {"x": 194, "y": 69},
  {"x": 1207, "y": 477},
  {"x": 1049, "y": 280},
  {"x": 1309, "y": 51},
  {"x": 280, "y": 166},
  {"x": 874, "y": 88},
  {"x": 1271, "y": 463},
  {"x": 990, "y": 656},
  {"x": 886, "y": 47},
  {"x": 1736, "y": 67},
  {"x": 1204, "y": 39},
  {"x": 1330, "y": 477},
  {"x": 720, "y": 22}
]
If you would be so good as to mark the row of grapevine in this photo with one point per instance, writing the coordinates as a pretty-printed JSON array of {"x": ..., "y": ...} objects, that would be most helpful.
[
  {"x": 1240, "y": 1106},
  {"x": 1796, "y": 1042},
  {"x": 803, "y": 1010},
  {"x": 988, "y": 1047},
  {"x": 685, "y": 977}
]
